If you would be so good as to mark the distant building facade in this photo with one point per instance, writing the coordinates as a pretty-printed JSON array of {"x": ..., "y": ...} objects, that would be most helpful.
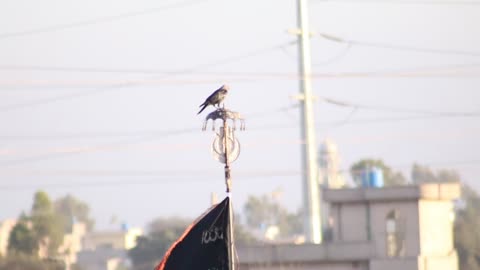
[
  {"x": 125, "y": 239},
  {"x": 72, "y": 244},
  {"x": 107, "y": 250},
  {"x": 394, "y": 228},
  {"x": 6, "y": 227},
  {"x": 329, "y": 166},
  {"x": 103, "y": 259}
]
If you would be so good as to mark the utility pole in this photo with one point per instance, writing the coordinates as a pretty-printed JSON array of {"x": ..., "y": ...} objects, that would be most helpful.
[{"x": 311, "y": 195}]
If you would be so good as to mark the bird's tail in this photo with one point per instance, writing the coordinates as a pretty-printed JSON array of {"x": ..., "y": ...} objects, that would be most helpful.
[{"x": 203, "y": 108}]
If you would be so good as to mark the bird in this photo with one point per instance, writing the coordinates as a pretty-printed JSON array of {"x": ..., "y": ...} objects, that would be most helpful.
[{"x": 215, "y": 98}]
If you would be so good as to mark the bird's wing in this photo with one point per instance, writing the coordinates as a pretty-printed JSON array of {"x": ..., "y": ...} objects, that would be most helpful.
[{"x": 212, "y": 96}]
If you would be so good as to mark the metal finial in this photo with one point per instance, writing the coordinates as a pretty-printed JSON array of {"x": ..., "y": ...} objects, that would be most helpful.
[{"x": 224, "y": 114}]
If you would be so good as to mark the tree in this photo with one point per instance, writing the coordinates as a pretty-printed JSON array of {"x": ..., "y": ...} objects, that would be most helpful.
[
  {"x": 21, "y": 262},
  {"x": 264, "y": 211},
  {"x": 243, "y": 236},
  {"x": 41, "y": 203},
  {"x": 150, "y": 249},
  {"x": 22, "y": 240},
  {"x": 390, "y": 177},
  {"x": 47, "y": 225},
  {"x": 71, "y": 209},
  {"x": 423, "y": 174},
  {"x": 466, "y": 232},
  {"x": 24, "y": 262}
]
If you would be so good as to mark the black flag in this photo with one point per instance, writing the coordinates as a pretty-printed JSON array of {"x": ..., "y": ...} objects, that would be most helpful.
[{"x": 203, "y": 245}]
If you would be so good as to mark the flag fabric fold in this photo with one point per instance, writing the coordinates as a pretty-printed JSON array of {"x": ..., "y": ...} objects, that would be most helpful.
[{"x": 203, "y": 245}]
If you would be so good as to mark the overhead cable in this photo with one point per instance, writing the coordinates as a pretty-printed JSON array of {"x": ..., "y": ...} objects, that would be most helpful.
[
  {"x": 422, "y": 2},
  {"x": 395, "y": 109},
  {"x": 99, "y": 20},
  {"x": 397, "y": 47}
]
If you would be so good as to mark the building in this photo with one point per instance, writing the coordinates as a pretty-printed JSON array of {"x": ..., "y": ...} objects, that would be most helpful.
[
  {"x": 103, "y": 259},
  {"x": 329, "y": 165},
  {"x": 107, "y": 250},
  {"x": 394, "y": 228},
  {"x": 6, "y": 227},
  {"x": 72, "y": 244},
  {"x": 124, "y": 239}
]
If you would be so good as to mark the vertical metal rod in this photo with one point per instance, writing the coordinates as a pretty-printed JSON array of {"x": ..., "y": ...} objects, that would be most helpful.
[
  {"x": 231, "y": 244},
  {"x": 228, "y": 183},
  {"x": 311, "y": 194},
  {"x": 225, "y": 151}
]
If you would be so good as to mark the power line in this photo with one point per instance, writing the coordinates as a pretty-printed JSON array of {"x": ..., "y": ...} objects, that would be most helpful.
[
  {"x": 143, "y": 173},
  {"x": 422, "y": 2},
  {"x": 398, "y": 119},
  {"x": 160, "y": 133},
  {"x": 446, "y": 71},
  {"x": 396, "y": 110},
  {"x": 59, "y": 27},
  {"x": 166, "y": 147},
  {"x": 183, "y": 173},
  {"x": 398, "y": 47},
  {"x": 131, "y": 83},
  {"x": 82, "y": 69},
  {"x": 366, "y": 121},
  {"x": 138, "y": 133},
  {"x": 126, "y": 143},
  {"x": 223, "y": 61},
  {"x": 181, "y": 177},
  {"x": 103, "y": 147},
  {"x": 58, "y": 98},
  {"x": 79, "y": 135},
  {"x": 118, "y": 183},
  {"x": 335, "y": 57}
]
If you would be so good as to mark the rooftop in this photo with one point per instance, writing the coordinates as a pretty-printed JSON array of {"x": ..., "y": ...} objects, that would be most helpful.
[
  {"x": 432, "y": 191},
  {"x": 305, "y": 253}
]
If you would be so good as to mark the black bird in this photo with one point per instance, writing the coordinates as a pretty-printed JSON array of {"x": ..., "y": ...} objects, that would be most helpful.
[{"x": 216, "y": 98}]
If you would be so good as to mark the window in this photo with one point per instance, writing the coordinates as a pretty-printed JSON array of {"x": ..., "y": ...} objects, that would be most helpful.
[{"x": 395, "y": 230}]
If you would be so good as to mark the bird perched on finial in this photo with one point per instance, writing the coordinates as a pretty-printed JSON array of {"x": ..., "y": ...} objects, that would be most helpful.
[{"x": 215, "y": 98}]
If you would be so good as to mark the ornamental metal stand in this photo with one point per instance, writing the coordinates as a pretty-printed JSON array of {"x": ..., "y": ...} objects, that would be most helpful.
[{"x": 226, "y": 149}]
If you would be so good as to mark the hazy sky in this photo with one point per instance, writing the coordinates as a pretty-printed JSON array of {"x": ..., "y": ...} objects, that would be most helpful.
[{"x": 99, "y": 98}]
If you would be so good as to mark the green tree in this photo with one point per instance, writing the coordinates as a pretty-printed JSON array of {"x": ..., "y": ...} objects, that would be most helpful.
[
  {"x": 266, "y": 211},
  {"x": 390, "y": 177},
  {"x": 423, "y": 174},
  {"x": 466, "y": 232},
  {"x": 243, "y": 236},
  {"x": 24, "y": 262},
  {"x": 41, "y": 203},
  {"x": 70, "y": 208},
  {"x": 150, "y": 249},
  {"x": 22, "y": 240},
  {"x": 47, "y": 225}
]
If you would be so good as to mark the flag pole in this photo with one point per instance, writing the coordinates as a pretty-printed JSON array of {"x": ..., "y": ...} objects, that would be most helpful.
[
  {"x": 228, "y": 184},
  {"x": 226, "y": 149}
]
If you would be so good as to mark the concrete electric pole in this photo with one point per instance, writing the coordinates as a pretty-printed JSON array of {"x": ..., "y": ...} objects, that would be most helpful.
[{"x": 311, "y": 195}]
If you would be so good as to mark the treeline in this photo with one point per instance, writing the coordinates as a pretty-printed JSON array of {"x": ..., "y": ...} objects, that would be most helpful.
[
  {"x": 42, "y": 228},
  {"x": 35, "y": 240}
]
